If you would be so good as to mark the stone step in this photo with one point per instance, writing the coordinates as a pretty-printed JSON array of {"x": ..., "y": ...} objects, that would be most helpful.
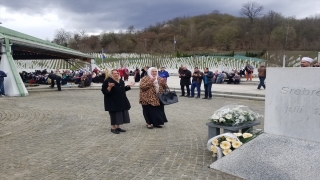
[
  {"x": 233, "y": 95},
  {"x": 239, "y": 96}
]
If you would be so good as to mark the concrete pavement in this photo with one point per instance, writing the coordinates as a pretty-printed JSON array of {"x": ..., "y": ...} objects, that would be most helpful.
[{"x": 66, "y": 135}]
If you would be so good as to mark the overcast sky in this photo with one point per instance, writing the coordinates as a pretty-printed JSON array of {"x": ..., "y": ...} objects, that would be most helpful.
[{"x": 40, "y": 18}]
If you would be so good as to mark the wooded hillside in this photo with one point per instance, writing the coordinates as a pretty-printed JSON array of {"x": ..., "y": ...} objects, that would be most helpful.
[{"x": 214, "y": 32}]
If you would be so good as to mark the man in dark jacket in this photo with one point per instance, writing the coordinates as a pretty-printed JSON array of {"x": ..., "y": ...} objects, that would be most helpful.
[
  {"x": 196, "y": 82},
  {"x": 185, "y": 76},
  {"x": 58, "y": 80},
  {"x": 144, "y": 71},
  {"x": 207, "y": 80},
  {"x": 2, "y": 75}
]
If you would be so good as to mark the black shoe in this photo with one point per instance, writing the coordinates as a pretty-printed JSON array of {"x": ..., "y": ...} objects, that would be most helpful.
[
  {"x": 121, "y": 130},
  {"x": 198, "y": 97},
  {"x": 157, "y": 126},
  {"x": 115, "y": 131},
  {"x": 209, "y": 98},
  {"x": 204, "y": 98}
]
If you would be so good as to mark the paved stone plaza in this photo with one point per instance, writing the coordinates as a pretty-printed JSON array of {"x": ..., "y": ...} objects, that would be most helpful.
[{"x": 66, "y": 135}]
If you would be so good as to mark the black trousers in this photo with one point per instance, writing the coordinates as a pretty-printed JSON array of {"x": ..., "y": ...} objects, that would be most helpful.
[
  {"x": 58, "y": 83},
  {"x": 182, "y": 90}
]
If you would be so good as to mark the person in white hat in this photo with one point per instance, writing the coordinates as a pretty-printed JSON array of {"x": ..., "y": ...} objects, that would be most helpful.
[{"x": 306, "y": 62}]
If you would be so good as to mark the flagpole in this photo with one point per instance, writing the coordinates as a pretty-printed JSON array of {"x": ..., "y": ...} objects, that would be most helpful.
[
  {"x": 174, "y": 43},
  {"x": 102, "y": 56}
]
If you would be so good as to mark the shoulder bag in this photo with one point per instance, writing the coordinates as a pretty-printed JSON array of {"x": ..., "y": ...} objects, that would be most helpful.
[{"x": 168, "y": 97}]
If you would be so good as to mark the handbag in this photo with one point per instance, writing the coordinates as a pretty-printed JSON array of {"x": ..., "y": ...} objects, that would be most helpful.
[{"x": 168, "y": 97}]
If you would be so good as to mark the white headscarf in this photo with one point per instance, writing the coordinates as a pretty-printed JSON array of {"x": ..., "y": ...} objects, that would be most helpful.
[
  {"x": 307, "y": 59},
  {"x": 156, "y": 81}
]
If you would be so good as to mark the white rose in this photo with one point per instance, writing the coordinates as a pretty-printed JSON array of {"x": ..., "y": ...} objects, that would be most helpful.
[
  {"x": 246, "y": 135},
  {"x": 214, "y": 117},
  {"x": 236, "y": 144},
  {"x": 238, "y": 134},
  {"x": 226, "y": 151},
  {"x": 222, "y": 120},
  {"x": 228, "y": 116},
  {"x": 242, "y": 118},
  {"x": 225, "y": 145}
]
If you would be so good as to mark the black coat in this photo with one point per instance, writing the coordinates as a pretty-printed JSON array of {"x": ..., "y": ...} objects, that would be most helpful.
[
  {"x": 185, "y": 80},
  {"x": 116, "y": 99},
  {"x": 54, "y": 76}
]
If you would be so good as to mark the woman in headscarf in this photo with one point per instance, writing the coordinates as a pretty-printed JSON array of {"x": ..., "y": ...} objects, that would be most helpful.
[
  {"x": 153, "y": 110},
  {"x": 116, "y": 101}
]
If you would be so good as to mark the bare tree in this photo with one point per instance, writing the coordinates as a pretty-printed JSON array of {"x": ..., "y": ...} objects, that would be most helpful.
[
  {"x": 251, "y": 10},
  {"x": 216, "y": 12},
  {"x": 62, "y": 37},
  {"x": 130, "y": 29},
  {"x": 82, "y": 32}
]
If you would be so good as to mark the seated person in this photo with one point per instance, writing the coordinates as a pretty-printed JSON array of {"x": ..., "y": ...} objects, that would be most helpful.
[
  {"x": 89, "y": 80},
  {"x": 220, "y": 78},
  {"x": 242, "y": 73},
  {"x": 93, "y": 76},
  {"x": 77, "y": 78},
  {"x": 215, "y": 77},
  {"x": 85, "y": 81},
  {"x": 230, "y": 77},
  {"x": 236, "y": 78}
]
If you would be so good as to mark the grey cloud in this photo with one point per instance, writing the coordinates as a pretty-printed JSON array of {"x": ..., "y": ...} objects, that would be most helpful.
[{"x": 111, "y": 15}]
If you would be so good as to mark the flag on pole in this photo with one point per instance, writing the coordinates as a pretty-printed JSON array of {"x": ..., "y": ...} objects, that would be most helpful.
[
  {"x": 103, "y": 55},
  {"x": 174, "y": 43}
]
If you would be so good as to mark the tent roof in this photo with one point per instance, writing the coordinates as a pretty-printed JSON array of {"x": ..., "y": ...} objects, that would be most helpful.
[{"x": 29, "y": 47}]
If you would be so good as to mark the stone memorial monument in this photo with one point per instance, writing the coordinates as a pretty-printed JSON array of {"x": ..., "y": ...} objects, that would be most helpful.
[
  {"x": 289, "y": 148},
  {"x": 292, "y": 106}
]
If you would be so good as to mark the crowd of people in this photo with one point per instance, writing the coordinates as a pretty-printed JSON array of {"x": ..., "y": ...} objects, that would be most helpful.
[{"x": 152, "y": 83}]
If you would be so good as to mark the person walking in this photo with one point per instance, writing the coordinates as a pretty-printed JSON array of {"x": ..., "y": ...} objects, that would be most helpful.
[
  {"x": 262, "y": 76},
  {"x": 56, "y": 77},
  {"x": 2, "y": 76},
  {"x": 153, "y": 110},
  {"x": 185, "y": 76},
  {"x": 196, "y": 82},
  {"x": 116, "y": 101},
  {"x": 207, "y": 81}
]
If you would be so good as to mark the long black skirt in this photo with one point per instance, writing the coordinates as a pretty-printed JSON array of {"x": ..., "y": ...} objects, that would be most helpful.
[
  {"x": 119, "y": 117},
  {"x": 154, "y": 114}
]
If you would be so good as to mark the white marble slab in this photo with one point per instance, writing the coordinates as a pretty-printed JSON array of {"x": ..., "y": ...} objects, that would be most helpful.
[{"x": 292, "y": 106}]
